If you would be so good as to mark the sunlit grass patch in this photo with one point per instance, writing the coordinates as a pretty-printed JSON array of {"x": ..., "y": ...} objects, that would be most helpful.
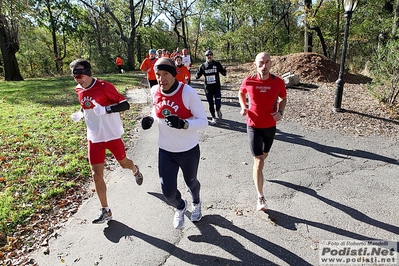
[{"x": 43, "y": 152}]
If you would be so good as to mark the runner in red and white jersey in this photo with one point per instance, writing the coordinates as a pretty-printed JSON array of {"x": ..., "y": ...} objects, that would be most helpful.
[{"x": 100, "y": 106}]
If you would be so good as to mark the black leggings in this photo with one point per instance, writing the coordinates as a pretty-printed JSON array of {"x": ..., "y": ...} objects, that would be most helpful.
[
  {"x": 218, "y": 101},
  {"x": 168, "y": 167}
]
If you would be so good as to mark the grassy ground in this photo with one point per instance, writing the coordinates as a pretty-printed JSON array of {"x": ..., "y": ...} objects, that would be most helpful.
[{"x": 42, "y": 151}]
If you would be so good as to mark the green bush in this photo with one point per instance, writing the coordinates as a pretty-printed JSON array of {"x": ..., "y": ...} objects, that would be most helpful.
[{"x": 385, "y": 72}]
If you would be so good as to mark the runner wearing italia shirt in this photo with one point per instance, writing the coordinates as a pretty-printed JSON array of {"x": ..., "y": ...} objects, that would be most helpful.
[
  {"x": 179, "y": 113},
  {"x": 267, "y": 99},
  {"x": 100, "y": 106}
]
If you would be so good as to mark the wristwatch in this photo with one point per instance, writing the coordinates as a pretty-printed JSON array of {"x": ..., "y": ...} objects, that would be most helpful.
[
  {"x": 281, "y": 112},
  {"x": 108, "y": 109},
  {"x": 186, "y": 124}
]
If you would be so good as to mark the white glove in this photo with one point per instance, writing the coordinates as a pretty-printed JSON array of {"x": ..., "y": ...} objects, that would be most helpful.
[
  {"x": 98, "y": 109},
  {"x": 77, "y": 116}
]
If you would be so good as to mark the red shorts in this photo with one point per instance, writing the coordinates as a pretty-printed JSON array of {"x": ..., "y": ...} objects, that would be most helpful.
[{"x": 97, "y": 150}]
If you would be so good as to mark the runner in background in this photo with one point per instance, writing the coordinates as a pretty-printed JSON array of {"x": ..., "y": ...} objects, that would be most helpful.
[
  {"x": 210, "y": 70},
  {"x": 148, "y": 66},
  {"x": 183, "y": 75},
  {"x": 186, "y": 60},
  {"x": 119, "y": 64}
]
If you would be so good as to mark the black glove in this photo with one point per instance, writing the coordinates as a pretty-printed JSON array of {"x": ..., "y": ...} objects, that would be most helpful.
[
  {"x": 224, "y": 71},
  {"x": 146, "y": 122},
  {"x": 175, "y": 121}
]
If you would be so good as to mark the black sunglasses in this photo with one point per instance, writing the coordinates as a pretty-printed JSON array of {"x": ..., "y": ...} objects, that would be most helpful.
[{"x": 78, "y": 76}]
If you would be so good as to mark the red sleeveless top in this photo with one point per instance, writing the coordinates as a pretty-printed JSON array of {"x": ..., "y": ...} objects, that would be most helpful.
[{"x": 171, "y": 104}]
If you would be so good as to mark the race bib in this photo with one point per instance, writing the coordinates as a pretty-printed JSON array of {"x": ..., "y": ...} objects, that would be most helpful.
[{"x": 210, "y": 79}]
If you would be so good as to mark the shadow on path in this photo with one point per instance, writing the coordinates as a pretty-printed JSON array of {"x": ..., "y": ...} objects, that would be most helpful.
[
  {"x": 117, "y": 230},
  {"x": 355, "y": 214},
  {"x": 209, "y": 234},
  {"x": 231, "y": 125},
  {"x": 333, "y": 151},
  {"x": 289, "y": 222},
  {"x": 396, "y": 122}
]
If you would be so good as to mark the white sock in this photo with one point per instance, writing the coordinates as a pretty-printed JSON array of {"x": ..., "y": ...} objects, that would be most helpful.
[
  {"x": 260, "y": 195},
  {"x": 106, "y": 209}
]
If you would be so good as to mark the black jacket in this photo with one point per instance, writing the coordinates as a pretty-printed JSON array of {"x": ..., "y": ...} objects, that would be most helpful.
[{"x": 211, "y": 71}]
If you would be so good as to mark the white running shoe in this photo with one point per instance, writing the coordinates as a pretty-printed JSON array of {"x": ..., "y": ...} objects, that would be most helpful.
[
  {"x": 178, "y": 219},
  {"x": 196, "y": 213},
  {"x": 261, "y": 204},
  {"x": 103, "y": 217},
  {"x": 214, "y": 121}
]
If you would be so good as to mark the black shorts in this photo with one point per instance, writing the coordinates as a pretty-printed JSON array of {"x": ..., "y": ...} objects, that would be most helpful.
[{"x": 260, "y": 139}]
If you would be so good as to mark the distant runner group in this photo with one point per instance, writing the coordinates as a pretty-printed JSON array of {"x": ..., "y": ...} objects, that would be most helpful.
[{"x": 210, "y": 69}]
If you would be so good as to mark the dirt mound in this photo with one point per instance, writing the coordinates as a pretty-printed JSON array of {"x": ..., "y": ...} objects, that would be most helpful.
[
  {"x": 310, "y": 67},
  {"x": 313, "y": 68}
]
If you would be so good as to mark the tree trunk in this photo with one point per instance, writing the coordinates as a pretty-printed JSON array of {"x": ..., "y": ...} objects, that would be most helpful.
[
  {"x": 308, "y": 37},
  {"x": 130, "y": 47},
  {"x": 197, "y": 36},
  {"x": 336, "y": 45},
  {"x": 9, "y": 47},
  {"x": 54, "y": 27},
  {"x": 55, "y": 50},
  {"x": 308, "y": 45},
  {"x": 322, "y": 41},
  {"x": 138, "y": 45},
  {"x": 11, "y": 68}
]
